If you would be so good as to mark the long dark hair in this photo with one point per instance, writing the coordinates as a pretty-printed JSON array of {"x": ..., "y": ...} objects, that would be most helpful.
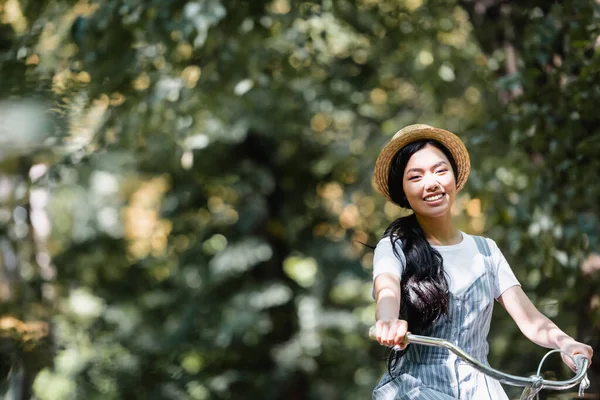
[{"x": 424, "y": 287}]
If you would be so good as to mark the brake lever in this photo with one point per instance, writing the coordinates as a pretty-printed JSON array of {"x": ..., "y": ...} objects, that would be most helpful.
[{"x": 585, "y": 384}]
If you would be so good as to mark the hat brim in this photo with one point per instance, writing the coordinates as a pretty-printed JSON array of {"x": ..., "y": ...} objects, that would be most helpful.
[{"x": 421, "y": 132}]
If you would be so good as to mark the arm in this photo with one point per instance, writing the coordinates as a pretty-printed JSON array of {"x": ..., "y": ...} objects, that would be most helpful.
[
  {"x": 537, "y": 327},
  {"x": 387, "y": 296},
  {"x": 390, "y": 330}
]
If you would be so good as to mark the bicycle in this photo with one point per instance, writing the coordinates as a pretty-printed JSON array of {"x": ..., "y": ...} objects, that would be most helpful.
[{"x": 532, "y": 385}]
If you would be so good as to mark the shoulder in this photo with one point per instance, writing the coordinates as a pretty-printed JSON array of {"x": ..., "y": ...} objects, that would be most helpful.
[
  {"x": 495, "y": 254},
  {"x": 386, "y": 260},
  {"x": 385, "y": 246},
  {"x": 386, "y": 243},
  {"x": 491, "y": 244},
  {"x": 387, "y": 240}
]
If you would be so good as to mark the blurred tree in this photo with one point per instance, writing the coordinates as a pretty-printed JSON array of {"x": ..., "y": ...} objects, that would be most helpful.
[{"x": 194, "y": 199}]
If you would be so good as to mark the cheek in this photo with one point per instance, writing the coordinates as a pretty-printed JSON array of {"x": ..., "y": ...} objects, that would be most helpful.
[
  {"x": 409, "y": 189},
  {"x": 449, "y": 182}
]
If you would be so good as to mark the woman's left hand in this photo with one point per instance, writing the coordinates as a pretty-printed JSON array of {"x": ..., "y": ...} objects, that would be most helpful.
[{"x": 572, "y": 347}]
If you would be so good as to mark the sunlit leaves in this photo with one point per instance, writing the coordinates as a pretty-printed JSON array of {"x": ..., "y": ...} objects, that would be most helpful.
[
  {"x": 302, "y": 270},
  {"x": 225, "y": 151},
  {"x": 238, "y": 258}
]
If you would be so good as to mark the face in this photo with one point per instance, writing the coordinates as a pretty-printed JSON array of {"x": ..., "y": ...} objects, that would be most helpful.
[{"x": 429, "y": 183}]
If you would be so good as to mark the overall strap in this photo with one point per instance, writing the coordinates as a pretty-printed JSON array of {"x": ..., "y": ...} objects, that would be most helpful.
[
  {"x": 484, "y": 248},
  {"x": 482, "y": 245}
]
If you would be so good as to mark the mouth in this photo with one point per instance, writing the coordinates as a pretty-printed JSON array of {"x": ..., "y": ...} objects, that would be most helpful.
[{"x": 434, "y": 197}]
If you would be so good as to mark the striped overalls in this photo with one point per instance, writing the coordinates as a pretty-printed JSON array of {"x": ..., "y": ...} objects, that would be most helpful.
[{"x": 434, "y": 373}]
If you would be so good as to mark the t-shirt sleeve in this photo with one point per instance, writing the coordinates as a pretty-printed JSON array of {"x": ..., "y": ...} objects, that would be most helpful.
[
  {"x": 384, "y": 259},
  {"x": 505, "y": 277}
]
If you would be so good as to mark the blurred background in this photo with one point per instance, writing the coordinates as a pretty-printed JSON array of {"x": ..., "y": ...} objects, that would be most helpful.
[{"x": 184, "y": 184}]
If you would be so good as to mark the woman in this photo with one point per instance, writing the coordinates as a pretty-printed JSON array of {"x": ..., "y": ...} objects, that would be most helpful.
[{"x": 432, "y": 279}]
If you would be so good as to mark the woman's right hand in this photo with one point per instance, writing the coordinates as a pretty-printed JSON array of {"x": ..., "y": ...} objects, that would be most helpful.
[{"x": 392, "y": 333}]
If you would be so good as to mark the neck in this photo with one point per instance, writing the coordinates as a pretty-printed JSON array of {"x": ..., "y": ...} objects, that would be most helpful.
[{"x": 440, "y": 231}]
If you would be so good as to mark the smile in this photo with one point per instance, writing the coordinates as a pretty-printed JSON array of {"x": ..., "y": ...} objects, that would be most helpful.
[{"x": 434, "y": 197}]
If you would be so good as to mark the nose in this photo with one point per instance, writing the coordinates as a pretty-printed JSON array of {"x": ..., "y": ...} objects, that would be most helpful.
[{"x": 430, "y": 182}]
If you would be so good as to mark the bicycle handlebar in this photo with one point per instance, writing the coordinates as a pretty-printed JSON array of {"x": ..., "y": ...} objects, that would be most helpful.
[{"x": 581, "y": 363}]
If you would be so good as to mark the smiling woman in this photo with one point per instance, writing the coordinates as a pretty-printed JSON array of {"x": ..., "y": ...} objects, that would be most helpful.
[{"x": 435, "y": 280}]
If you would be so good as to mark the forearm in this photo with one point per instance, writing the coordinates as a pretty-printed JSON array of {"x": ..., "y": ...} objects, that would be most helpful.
[
  {"x": 543, "y": 332},
  {"x": 535, "y": 326},
  {"x": 387, "y": 297},
  {"x": 388, "y": 305}
]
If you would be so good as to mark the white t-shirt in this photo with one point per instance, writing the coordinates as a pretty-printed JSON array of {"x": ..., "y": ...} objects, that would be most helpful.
[{"x": 463, "y": 264}]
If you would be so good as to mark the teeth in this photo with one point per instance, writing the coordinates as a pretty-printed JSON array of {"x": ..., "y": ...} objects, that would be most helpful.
[{"x": 434, "y": 198}]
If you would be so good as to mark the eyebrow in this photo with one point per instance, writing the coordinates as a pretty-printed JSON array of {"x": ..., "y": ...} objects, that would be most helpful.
[{"x": 437, "y": 164}]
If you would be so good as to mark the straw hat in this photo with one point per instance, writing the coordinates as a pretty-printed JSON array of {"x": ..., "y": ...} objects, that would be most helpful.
[{"x": 410, "y": 134}]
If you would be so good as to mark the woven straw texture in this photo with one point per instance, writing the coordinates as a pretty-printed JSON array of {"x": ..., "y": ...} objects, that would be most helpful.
[{"x": 411, "y": 134}]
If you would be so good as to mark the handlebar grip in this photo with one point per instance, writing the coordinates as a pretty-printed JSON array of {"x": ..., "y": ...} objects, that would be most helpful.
[{"x": 372, "y": 334}]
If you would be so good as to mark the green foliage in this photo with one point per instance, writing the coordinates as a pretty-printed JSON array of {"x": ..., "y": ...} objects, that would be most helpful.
[
  {"x": 193, "y": 201},
  {"x": 537, "y": 170}
]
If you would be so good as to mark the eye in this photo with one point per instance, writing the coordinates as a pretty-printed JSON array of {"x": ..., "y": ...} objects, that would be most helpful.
[
  {"x": 414, "y": 177},
  {"x": 441, "y": 171}
]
